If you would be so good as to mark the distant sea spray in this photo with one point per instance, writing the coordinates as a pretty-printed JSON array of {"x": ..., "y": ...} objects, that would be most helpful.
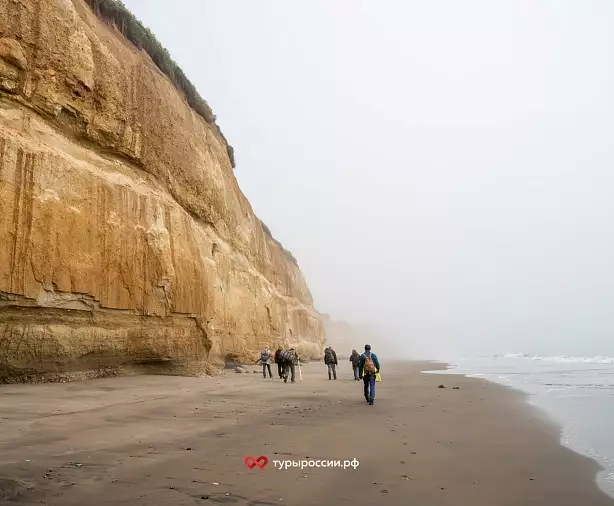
[{"x": 564, "y": 359}]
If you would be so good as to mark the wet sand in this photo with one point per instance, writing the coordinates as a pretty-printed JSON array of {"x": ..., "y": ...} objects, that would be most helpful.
[{"x": 153, "y": 440}]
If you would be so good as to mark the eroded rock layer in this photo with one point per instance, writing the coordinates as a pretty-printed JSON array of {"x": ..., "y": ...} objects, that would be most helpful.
[{"x": 124, "y": 237}]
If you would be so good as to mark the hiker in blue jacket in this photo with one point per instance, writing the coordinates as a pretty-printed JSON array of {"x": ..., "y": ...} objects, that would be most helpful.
[{"x": 368, "y": 367}]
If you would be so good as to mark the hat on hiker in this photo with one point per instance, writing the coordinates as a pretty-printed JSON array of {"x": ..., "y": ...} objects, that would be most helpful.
[{"x": 367, "y": 347}]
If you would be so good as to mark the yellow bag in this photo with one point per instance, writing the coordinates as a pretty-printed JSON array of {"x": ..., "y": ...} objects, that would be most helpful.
[{"x": 378, "y": 377}]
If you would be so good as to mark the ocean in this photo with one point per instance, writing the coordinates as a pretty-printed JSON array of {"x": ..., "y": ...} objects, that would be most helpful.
[{"x": 577, "y": 392}]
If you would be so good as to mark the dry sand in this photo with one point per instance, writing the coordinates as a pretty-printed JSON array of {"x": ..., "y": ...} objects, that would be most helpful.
[{"x": 154, "y": 440}]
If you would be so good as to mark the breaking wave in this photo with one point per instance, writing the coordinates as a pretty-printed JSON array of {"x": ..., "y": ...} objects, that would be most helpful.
[{"x": 561, "y": 359}]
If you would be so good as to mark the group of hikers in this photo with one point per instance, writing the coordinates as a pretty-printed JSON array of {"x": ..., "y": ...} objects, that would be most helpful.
[
  {"x": 365, "y": 367},
  {"x": 286, "y": 361}
]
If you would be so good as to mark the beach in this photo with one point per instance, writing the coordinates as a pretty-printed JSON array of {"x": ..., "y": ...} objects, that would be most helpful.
[
  {"x": 159, "y": 440},
  {"x": 575, "y": 392}
]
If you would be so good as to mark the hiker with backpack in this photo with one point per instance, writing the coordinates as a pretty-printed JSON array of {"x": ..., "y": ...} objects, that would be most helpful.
[
  {"x": 368, "y": 368},
  {"x": 330, "y": 359},
  {"x": 355, "y": 360},
  {"x": 289, "y": 358},
  {"x": 278, "y": 361},
  {"x": 265, "y": 357}
]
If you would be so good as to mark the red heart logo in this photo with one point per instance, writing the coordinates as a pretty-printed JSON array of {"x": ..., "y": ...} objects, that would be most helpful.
[{"x": 261, "y": 462}]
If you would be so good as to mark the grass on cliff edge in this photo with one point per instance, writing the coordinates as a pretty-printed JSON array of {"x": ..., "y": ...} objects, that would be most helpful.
[
  {"x": 267, "y": 231},
  {"x": 116, "y": 13}
]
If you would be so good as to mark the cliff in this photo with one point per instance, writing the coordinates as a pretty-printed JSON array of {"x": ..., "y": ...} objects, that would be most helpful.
[{"x": 125, "y": 241}]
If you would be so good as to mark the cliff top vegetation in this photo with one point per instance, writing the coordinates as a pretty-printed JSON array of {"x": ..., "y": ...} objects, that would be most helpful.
[{"x": 114, "y": 12}]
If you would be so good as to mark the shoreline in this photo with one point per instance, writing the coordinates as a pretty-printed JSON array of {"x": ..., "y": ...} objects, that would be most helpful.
[
  {"x": 158, "y": 440},
  {"x": 534, "y": 401}
]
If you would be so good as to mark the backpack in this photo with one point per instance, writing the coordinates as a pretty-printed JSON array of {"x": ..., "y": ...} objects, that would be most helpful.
[
  {"x": 285, "y": 356},
  {"x": 369, "y": 366},
  {"x": 265, "y": 355},
  {"x": 328, "y": 356}
]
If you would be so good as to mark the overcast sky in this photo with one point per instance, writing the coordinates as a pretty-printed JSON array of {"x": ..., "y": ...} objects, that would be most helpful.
[{"x": 440, "y": 169}]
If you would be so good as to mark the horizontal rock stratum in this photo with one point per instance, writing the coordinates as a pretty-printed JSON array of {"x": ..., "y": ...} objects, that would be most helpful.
[{"x": 125, "y": 241}]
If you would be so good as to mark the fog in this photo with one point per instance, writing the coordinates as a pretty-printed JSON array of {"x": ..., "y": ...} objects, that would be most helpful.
[{"x": 441, "y": 170}]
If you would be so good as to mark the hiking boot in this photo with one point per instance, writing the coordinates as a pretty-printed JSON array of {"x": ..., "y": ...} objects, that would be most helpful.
[{"x": 371, "y": 402}]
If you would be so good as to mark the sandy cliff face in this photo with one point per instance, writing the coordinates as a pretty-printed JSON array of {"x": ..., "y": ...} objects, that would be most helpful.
[{"x": 124, "y": 237}]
